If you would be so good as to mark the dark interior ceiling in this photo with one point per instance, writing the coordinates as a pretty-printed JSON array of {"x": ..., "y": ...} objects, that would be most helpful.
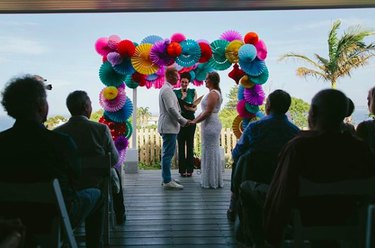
[{"x": 67, "y": 6}]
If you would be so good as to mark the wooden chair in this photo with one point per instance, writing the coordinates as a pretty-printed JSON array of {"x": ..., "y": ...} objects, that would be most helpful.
[
  {"x": 42, "y": 193},
  {"x": 96, "y": 172},
  {"x": 348, "y": 234}
]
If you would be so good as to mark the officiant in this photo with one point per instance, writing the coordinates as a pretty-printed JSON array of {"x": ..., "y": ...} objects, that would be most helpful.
[{"x": 187, "y": 100}]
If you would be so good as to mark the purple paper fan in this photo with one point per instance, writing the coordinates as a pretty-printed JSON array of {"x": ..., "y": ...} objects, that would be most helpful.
[
  {"x": 114, "y": 58},
  {"x": 114, "y": 104},
  {"x": 121, "y": 158},
  {"x": 159, "y": 55},
  {"x": 254, "y": 95},
  {"x": 231, "y": 35}
]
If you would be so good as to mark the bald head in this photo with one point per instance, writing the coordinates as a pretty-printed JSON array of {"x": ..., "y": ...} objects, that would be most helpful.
[{"x": 328, "y": 109}]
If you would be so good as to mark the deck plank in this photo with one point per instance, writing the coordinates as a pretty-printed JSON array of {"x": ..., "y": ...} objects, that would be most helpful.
[{"x": 192, "y": 217}]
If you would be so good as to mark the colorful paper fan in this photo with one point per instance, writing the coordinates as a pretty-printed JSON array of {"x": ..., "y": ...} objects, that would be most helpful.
[
  {"x": 231, "y": 35},
  {"x": 236, "y": 73},
  {"x": 206, "y": 52},
  {"x": 218, "y": 60},
  {"x": 261, "y": 79},
  {"x": 113, "y": 40},
  {"x": 117, "y": 129},
  {"x": 254, "y": 95},
  {"x": 121, "y": 159},
  {"x": 159, "y": 81},
  {"x": 159, "y": 55},
  {"x": 261, "y": 50},
  {"x": 198, "y": 82},
  {"x": 115, "y": 104},
  {"x": 246, "y": 83},
  {"x": 114, "y": 58},
  {"x": 121, "y": 143},
  {"x": 254, "y": 68},
  {"x": 178, "y": 37},
  {"x": 141, "y": 60},
  {"x": 237, "y": 126},
  {"x": 151, "y": 39},
  {"x": 191, "y": 53},
  {"x": 109, "y": 76},
  {"x": 201, "y": 71},
  {"x": 231, "y": 51},
  {"x": 101, "y": 46},
  {"x": 244, "y": 123},
  {"x": 241, "y": 110},
  {"x": 110, "y": 92},
  {"x": 247, "y": 53},
  {"x": 121, "y": 115},
  {"x": 252, "y": 108},
  {"x": 251, "y": 38},
  {"x": 130, "y": 82},
  {"x": 240, "y": 95},
  {"x": 125, "y": 67},
  {"x": 260, "y": 114},
  {"x": 126, "y": 48},
  {"x": 129, "y": 129}
]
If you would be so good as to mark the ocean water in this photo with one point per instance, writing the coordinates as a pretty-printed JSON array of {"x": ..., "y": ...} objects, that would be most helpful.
[{"x": 360, "y": 114}]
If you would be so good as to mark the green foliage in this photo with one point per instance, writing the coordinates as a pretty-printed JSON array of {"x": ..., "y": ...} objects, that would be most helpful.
[
  {"x": 96, "y": 115},
  {"x": 143, "y": 116},
  {"x": 143, "y": 166},
  {"x": 54, "y": 121},
  {"x": 345, "y": 53},
  {"x": 227, "y": 116},
  {"x": 232, "y": 102},
  {"x": 298, "y": 112}
]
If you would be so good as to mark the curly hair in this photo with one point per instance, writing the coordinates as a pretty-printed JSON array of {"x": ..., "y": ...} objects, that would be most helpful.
[{"x": 22, "y": 95}]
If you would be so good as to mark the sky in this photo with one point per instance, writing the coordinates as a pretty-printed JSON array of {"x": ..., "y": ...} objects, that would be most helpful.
[{"x": 60, "y": 47}]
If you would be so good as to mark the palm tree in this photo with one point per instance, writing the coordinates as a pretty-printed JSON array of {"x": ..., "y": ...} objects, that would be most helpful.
[
  {"x": 143, "y": 116},
  {"x": 345, "y": 53}
]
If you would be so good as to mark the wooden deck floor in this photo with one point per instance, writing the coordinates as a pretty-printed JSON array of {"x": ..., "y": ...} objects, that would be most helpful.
[{"x": 192, "y": 217}]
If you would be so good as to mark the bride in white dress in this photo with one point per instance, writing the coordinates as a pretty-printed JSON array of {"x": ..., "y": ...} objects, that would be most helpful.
[{"x": 211, "y": 167}]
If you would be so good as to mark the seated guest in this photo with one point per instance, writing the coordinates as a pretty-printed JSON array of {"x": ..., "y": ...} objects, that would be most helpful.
[
  {"x": 92, "y": 138},
  {"x": 366, "y": 129},
  {"x": 266, "y": 136},
  {"x": 323, "y": 154},
  {"x": 31, "y": 153}
]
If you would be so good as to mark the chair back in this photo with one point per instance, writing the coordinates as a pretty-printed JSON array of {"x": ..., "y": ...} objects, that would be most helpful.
[
  {"x": 96, "y": 172},
  {"x": 353, "y": 233},
  {"x": 41, "y": 193}
]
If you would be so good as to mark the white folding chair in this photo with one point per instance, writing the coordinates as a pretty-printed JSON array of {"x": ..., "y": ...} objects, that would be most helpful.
[
  {"x": 43, "y": 193},
  {"x": 351, "y": 234}
]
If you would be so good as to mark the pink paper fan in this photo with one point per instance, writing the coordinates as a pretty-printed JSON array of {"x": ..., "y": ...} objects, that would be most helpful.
[
  {"x": 241, "y": 109},
  {"x": 178, "y": 37},
  {"x": 261, "y": 50},
  {"x": 254, "y": 95},
  {"x": 113, "y": 105},
  {"x": 203, "y": 41},
  {"x": 101, "y": 46},
  {"x": 197, "y": 82},
  {"x": 231, "y": 35},
  {"x": 113, "y": 40}
]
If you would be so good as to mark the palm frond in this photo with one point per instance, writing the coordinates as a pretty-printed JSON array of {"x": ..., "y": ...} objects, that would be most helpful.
[
  {"x": 301, "y": 57},
  {"x": 304, "y": 72},
  {"x": 332, "y": 39}
]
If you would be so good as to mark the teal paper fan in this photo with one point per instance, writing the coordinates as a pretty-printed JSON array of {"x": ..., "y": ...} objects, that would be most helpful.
[
  {"x": 130, "y": 83},
  {"x": 218, "y": 60},
  {"x": 251, "y": 108},
  {"x": 261, "y": 79},
  {"x": 201, "y": 71},
  {"x": 253, "y": 68},
  {"x": 109, "y": 76},
  {"x": 151, "y": 39},
  {"x": 125, "y": 67},
  {"x": 191, "y": 53}
]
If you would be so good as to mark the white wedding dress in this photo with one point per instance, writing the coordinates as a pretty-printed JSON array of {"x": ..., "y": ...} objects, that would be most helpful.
[{"x": 211, "y": 167}]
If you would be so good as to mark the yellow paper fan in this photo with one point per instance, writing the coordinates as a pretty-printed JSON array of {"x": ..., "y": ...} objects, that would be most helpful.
[
  {"x": 237, "y": 126},
  {"x": 231, "y": 51},
  {"x": 246, "y": 83},
  {"x": 141, "y": 60}
]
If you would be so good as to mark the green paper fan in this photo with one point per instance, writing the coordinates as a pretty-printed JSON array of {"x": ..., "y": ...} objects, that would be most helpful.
[
  {"x": 130, "y": 83},
  {"x": 109, "y": 76},
  {"x": 218, "y": 60}
]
